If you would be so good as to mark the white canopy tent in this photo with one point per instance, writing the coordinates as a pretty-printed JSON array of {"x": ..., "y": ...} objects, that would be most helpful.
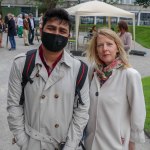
[{"x": 97, "y": 8}]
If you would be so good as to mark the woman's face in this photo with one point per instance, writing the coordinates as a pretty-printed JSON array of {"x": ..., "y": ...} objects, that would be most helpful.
[{"x": 107, "y": 49}]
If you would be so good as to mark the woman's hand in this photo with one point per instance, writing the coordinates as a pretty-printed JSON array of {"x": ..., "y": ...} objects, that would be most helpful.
[{"x": 131, "y": 146}]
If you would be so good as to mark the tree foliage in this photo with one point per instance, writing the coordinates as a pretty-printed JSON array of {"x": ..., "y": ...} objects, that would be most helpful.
[
  {"x": 144, "y": 3},
  {"x": 46, "y": 4}
]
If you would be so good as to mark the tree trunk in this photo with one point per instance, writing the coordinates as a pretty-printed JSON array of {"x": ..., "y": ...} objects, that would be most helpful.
[{"x": 50, "y": 3}]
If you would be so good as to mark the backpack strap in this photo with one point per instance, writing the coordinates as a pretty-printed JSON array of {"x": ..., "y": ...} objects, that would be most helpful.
[
  {"x": 82, "y": 74},
  {"x": 27, "y": 70}
]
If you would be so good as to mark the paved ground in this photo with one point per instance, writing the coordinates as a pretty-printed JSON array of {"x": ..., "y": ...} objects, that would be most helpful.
[{"x": 140, "y": 63}]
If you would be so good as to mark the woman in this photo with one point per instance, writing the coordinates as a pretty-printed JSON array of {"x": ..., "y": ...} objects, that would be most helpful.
[
  {"x": 125, "y": 36},
  {"x": 117, "y": 109},
  {"x": 92, "y": 31},
  {"x": 20, "y": 26},
  {"x": 1, "y": 32}
]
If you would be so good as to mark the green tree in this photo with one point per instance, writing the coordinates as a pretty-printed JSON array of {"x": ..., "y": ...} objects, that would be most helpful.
[
  {"x": 46, "y": 4},
  {"x": 1, "y": 7},
  {"x": 144, "y": 3}
]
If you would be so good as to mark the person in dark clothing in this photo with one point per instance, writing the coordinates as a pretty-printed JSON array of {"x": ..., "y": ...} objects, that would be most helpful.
[
  {"x": 11, "y": 32},
  {"x": 31, "y": 28},
  {"x": 1, "y": 32}
]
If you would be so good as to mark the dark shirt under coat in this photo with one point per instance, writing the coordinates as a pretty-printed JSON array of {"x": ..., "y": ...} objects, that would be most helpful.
[{"x": 30, "y": 27}]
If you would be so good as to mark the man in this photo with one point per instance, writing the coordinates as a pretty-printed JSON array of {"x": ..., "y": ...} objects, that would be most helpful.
[
  {"x": 11, "y": 31},
  {"x": 26, "y": 29},
  {"x": 50, "y": 114},
  {"x": 31, "y": 28}
]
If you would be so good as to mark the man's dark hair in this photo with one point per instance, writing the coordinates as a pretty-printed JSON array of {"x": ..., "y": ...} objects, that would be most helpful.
[{"x": 58, "y": 13}]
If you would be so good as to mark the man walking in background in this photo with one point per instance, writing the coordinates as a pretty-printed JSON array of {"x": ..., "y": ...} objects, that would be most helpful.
[
  {"x": 31, "y": 28},
  {"x": 11, "y": 31},
  {"x": 26, "y": 29}
]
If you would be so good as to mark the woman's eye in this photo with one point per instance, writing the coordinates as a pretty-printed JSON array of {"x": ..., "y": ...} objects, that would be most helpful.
[
  {"x": 109, "y": 44},
  {"x": 99, "y": 45}
]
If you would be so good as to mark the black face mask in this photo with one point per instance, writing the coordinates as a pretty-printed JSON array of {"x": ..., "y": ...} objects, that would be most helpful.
[{"x": 53, "y": 42}]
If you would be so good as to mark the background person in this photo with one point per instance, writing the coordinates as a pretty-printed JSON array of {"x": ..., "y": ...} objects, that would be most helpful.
[
  {"x": 117, "y": 107},
  {"x": 50, "y": 114},
  {"x": 26, "y": 30},
  {"x": 31, "y": 28},
  {"x": 125, "y": 36},
  {"x": 11, "y": 31},
  {"x": 20, "y": 25},
  {"x": 92, "y": 31},
  {"x": 40, "y": 22},
  {"x": 1, "y": 32}
]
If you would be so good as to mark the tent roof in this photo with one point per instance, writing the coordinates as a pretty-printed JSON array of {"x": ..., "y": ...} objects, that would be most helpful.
[{"x": 97, "y": 8}]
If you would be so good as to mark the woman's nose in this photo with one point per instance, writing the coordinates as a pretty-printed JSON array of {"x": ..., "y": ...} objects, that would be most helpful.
[{"x": 105, "y": 47}]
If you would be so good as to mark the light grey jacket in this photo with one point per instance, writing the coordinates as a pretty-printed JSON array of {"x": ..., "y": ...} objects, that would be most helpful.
[
  {"x": 117, "y": 111},
  {"x": 127, "y": 40},
  {"x": 50, "y": 114}
]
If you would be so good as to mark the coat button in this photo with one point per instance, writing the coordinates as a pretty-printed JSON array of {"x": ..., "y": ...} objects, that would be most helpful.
[
  {"x": 56, "y": 95},
  {"x": 43, "y": 96},
  {"x": 96, "y": 94},
  {"x": 56, "y": 125},
  {"x": 37, "y": 75}
]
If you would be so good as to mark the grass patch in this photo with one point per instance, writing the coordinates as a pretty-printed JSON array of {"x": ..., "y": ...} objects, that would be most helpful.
[
  {"x": 142, "y": 35},
  {"x": 146, "y": 88}
]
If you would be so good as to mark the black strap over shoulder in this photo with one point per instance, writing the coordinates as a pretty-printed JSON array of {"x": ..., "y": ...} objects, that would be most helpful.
[
  {"x": 82, "y": 74},
  {"x": 28, "y": 68}
]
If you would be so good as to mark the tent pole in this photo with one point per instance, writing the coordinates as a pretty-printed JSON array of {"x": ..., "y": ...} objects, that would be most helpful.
[
  {"x": 77, "y": 30},
  {"x": 95, "y": 20},
  {"x": 134, "y": 30},
  {"x": 109, "y": 22}
]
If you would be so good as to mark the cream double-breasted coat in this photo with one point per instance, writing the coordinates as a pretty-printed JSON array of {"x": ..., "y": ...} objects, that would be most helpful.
[
  {"x": 117, "y": 111},
  {"x": 50, "y": 114}
]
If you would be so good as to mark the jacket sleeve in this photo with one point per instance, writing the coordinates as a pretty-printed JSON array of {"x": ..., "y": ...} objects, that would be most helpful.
[
  {"x": 15, "y": 111},
  {"x": 79, "y": 119},
  {"x": 137, "y": 105}
]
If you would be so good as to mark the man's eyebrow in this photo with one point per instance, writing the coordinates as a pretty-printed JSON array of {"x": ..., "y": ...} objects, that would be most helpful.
[{"x": 63, "y": 28}]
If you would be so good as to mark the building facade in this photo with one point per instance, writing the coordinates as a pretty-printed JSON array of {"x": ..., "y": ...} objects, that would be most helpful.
[
  {"x": 19, "y": 6},
  {"x": 142, "y": 15}
]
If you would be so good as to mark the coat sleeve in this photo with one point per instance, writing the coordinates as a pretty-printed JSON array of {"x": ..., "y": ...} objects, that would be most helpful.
[
  {"x": 79, "y": 119},
  {"x": 137, "y": 104},
  {"x": 15, "y": 111}
]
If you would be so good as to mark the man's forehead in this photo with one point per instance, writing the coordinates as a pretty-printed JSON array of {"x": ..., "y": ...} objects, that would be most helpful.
[{"x": 60, "y": 21}]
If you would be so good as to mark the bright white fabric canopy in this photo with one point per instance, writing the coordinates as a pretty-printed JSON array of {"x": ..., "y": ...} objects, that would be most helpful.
[{"x": 97, "y": 8}]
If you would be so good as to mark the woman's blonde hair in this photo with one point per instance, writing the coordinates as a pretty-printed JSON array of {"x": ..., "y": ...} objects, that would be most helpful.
[{"x": 92, "y": 53}]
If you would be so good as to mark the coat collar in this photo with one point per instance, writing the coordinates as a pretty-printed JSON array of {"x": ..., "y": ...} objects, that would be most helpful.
[
  {"x": 58, "y": 72},
  {"x": 66, "y": 59}
]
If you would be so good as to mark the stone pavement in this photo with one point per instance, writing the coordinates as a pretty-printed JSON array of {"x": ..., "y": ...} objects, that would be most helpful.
[{"x": 6, "y": 57}]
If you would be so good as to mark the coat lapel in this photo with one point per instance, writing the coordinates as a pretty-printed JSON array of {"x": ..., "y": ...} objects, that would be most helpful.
[{"x": 43, "y": 73}]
